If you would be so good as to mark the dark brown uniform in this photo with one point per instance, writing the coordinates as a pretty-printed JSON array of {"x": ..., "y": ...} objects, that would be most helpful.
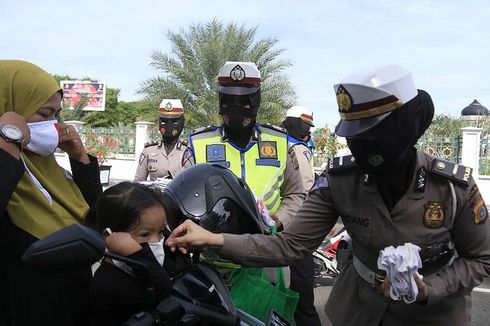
[{"x": 436, "y": 212}]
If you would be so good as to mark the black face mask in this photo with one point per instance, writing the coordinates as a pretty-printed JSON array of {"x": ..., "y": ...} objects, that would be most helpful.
[
  {"x": 238, "y": 119},
  {"x": 386, "y": 147},
  {"x": 297, "y": 128},
  {"x": 171, "y": 128}
]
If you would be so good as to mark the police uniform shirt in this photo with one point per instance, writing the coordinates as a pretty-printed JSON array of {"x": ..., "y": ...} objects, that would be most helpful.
[
  {"x": 303, "y": 157},
  {"x": 435, "y": 209},
  {"x": 155, "y": 162}
]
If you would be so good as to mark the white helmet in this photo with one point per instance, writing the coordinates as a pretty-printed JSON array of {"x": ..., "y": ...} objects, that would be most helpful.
[
  {"x": 302, "y": 113},
  {"x": 239, "y": 78}
]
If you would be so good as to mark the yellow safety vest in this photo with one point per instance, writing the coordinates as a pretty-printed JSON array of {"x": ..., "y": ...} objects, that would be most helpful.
[{"x": 261, "y": 164}]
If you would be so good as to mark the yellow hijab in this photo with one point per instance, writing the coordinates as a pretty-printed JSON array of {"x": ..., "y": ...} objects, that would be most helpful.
[{"x": 24, "y": 87}]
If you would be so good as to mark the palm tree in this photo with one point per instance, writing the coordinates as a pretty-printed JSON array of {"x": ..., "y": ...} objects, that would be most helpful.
[{"x": 191, "y": 69}]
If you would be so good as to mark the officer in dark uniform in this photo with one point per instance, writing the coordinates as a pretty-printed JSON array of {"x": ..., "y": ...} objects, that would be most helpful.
[
  {"x": 164, "y": 158},
  {"x": 387, "y": 194}
]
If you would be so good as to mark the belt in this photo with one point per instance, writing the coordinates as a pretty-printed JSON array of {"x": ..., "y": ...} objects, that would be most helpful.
[{"x": 374, "y": 280}]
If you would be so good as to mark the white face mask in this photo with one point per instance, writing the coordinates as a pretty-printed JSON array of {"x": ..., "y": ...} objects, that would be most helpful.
[
  {"x": 44, "y": 137},
  {"x": 158, "y": 252}
]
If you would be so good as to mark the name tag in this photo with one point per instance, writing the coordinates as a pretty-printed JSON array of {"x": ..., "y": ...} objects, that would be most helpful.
[{"x": 267, "y": 162}]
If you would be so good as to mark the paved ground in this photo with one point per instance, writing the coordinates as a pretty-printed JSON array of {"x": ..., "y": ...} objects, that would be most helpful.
[{"x": 480, "y": 310}]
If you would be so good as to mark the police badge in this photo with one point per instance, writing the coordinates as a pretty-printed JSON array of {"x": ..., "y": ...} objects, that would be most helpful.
[
  {"x": 237, "y": 74},
  {"x": 434, "y": 215},
  {"x": 268, "y": 149},
  {"x": 168, "y": 106},
  {"x": 344, "y": 100}
]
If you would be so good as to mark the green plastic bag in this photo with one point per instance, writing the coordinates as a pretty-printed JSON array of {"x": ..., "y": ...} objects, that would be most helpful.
[{"x": 253, "y": 292}]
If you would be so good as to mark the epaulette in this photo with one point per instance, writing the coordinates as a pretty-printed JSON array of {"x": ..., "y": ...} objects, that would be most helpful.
[
  {"x": 184, "y": 142},
  {"x": 203, "y": 129},
  {"x": 455, "y": 172},
  {"x": 152, "y": 144},
  {"x": 341, "y": 163},
  {"x": 273, "y": 127}
]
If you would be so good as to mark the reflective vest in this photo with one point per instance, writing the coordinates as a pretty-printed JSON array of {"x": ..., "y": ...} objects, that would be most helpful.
[{"x": 261, "y": 164}]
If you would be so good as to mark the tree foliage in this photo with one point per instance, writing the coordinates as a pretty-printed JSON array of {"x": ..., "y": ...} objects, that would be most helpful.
[
  {"x": 198, "y": 52},
  {"x": 446, "y": 126}
]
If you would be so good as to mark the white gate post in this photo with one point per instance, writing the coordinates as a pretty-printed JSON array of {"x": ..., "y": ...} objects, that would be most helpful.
[
  {"x": 471, "y": 148},
  {"x": 141, "y": 137}
]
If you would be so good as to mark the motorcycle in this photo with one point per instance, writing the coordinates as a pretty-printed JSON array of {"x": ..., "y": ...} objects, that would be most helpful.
[
  {"x": 199, "y": 296},
  {"x": 325, "y": 258}
]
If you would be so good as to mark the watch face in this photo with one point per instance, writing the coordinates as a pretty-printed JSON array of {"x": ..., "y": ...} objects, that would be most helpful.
[{"x": 12, "y": 132}]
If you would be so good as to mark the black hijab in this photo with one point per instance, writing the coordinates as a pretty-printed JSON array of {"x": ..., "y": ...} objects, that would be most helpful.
[{"x": 387, "y": 151}]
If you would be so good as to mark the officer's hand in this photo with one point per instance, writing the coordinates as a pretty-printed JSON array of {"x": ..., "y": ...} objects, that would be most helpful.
[
  {"x": 423, "y": 295},
  {"x": 276, "y": 219},
  {"x": 71, "y": 143},
  {"x": 122, "y": 243},
  {"x": 189, "y": 235}
]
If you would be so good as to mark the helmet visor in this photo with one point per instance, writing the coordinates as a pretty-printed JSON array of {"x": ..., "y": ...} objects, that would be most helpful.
[{"x": 226, "y": 216}]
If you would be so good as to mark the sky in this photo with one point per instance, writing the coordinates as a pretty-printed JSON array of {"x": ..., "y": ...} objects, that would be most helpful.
[{"x": 445, "y": 44}]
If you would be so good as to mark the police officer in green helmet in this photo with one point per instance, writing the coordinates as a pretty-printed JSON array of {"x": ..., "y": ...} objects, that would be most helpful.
[
  {"x": 387, "y": 193},
  {"x": 164, "y": 158}
]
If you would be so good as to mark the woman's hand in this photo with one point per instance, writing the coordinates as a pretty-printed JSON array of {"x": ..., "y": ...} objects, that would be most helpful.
[
  {"x": 12, "y": 118},
  {"x": 71, "y": 143},
  {"x": 122, "y": 243},
  {"x": 189, "y": 235}
]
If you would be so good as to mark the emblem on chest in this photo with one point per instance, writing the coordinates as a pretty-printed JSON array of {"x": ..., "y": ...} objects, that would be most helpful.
[{"x": 434, "y": 216}]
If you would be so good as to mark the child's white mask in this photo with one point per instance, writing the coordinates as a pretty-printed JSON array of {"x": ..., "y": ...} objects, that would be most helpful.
[{"x": 157, "y": 249}]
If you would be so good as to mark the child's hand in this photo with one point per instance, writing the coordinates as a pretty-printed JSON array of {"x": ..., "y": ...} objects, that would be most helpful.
[{"x": 122, "y": 243}]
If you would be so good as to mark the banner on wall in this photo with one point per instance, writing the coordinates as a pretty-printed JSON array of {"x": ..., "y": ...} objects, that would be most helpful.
[{"x": 91, "y": 93}]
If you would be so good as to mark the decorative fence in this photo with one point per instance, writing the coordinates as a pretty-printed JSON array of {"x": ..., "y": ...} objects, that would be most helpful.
[
  {"x": 124, "y": 142},
  {"x": 118, "y": 141},
  {"x": 448, "y": 148},
  {"x": 485, "y": 156}
]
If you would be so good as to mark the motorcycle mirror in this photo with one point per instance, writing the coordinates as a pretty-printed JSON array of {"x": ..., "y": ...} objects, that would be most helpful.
[{"x": 73, "y": 247}]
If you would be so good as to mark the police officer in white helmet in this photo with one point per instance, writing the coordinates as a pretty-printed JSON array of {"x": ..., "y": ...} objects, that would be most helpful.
[
  {"x": 298, "y": 124},
  {"x": 387, "y": 193},
  {"x": 164, "y": 158}
]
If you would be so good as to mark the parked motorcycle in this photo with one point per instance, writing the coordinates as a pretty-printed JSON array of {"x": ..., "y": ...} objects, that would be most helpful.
[{"x": 325, "y": 259}]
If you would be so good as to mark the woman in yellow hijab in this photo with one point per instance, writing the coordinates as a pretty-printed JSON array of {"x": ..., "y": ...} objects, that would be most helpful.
[{"x": 38, "y": 197}]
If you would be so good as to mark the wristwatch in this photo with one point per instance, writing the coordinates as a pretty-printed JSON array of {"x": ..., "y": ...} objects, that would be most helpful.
[{"x": 12, "y": 134}]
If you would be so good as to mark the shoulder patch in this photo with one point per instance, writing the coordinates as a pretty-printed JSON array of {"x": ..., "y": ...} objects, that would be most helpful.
[
  {"x": 273, "y": 127},
  {"x": 151, "y": 144},
  {"x": 188, "y": 153},
  {"x": 341, "y": 163},
  {"x": 307, "y": 154},
  {"x": 321, "y": 182},
  {"x": 479, "y": 209},
  {"x": 203, "y": 129},
  {"x": 142, "y": 158},
  {"x": 455, "y": 172}
]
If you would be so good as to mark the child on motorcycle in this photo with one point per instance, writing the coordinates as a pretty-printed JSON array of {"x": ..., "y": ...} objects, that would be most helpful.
[{"x": 133, "y": 218}]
